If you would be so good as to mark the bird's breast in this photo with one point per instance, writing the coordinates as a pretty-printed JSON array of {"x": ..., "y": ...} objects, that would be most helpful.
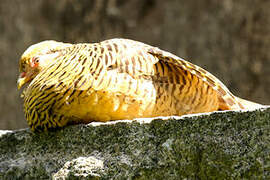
[{"x": 122, "y": 98}]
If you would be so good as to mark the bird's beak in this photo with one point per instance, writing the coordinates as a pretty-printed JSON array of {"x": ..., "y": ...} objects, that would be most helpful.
[{"x": 22, "y": 80}]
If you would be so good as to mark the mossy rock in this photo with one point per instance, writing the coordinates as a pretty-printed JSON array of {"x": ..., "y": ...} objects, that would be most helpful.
[{"x": 219, "y": 145}]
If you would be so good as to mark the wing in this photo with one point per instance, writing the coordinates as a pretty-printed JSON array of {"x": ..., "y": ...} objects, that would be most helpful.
[
  {"x": 227, "y": 99},
  {"x": 140, "y": 60}
]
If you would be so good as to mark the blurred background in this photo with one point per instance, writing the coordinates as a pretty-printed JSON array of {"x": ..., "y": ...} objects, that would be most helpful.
[{"x": 229, "y": 38}]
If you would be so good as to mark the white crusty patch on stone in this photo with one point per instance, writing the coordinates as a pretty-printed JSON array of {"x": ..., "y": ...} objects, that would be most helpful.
[
  {"x": 80, "y": 167},
  {"x": 3, "y": 132}
]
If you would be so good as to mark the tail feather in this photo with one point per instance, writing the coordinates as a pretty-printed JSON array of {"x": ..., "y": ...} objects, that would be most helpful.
[
  {"x": 249, "y": 104},
  {"x": 242, "y": 103}
]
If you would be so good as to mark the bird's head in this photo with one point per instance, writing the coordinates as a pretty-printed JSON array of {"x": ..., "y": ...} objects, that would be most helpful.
[{"x": 36, "y": 58}]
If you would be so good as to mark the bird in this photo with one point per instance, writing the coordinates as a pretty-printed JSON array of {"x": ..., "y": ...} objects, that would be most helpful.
[{"x": 112, "y": 80}]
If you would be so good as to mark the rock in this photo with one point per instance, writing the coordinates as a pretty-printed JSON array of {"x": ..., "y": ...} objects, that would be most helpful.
[{"x": 219, "y": 145}]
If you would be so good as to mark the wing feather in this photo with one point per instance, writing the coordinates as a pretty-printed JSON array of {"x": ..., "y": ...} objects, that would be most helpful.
[{"x": 227, "y": 99}]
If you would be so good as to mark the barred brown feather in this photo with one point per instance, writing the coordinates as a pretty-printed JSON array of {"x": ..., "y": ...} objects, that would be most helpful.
[{"x": 116, "y": 79}]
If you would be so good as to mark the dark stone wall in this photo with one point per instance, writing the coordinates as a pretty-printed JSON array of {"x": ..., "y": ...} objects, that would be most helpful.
[{"x": 229, "y": 38}]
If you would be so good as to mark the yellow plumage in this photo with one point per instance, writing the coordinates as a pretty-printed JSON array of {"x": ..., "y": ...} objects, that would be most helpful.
[{"x": 114, "y": 79}]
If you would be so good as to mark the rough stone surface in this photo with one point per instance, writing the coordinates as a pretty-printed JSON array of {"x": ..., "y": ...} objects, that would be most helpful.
[
  {"x": 229, "y": 38},
  {"x": 220, "y": 145}
]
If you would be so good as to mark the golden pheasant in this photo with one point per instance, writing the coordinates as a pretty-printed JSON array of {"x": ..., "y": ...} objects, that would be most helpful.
[{"x": 114, "y": 79}]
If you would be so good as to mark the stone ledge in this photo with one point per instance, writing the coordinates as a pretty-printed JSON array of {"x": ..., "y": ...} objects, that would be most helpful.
[{"x": 219, "y": 145}]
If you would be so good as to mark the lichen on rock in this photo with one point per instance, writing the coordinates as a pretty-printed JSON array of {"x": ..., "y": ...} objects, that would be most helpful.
[{"x": 219, "y": 145}]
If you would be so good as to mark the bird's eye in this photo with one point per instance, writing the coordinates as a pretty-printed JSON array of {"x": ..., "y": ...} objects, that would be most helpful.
[{"x": 35, "y": 60}]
